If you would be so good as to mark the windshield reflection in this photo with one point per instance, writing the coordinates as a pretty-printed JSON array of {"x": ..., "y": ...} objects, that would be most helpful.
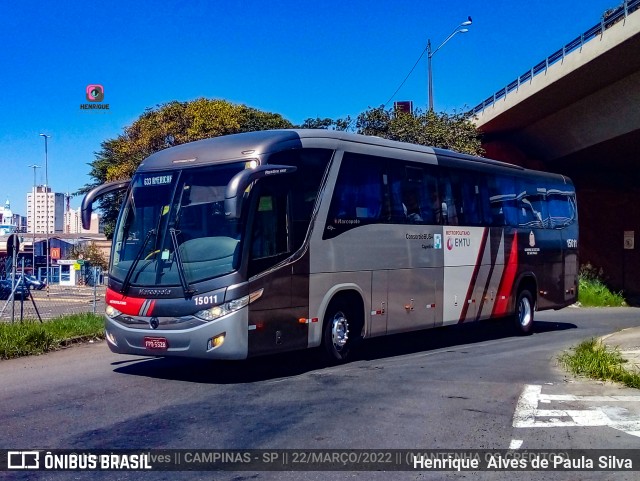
[{"x": 191, "y": 204}]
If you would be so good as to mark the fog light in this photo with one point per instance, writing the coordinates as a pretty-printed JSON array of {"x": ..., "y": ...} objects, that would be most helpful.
[
  {"x": 111, "y": 338},
  {"x": 215, "y": 342}
]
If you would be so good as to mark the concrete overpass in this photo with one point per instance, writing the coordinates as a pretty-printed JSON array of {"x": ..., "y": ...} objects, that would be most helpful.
[{"x": 578, "y": 113}]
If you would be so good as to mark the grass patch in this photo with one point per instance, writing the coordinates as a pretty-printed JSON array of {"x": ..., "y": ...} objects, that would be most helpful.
[
  {"x": 592, "y": 292},
  {"x": 595, "y": 360},
  {"x": 27, "y": 338}
]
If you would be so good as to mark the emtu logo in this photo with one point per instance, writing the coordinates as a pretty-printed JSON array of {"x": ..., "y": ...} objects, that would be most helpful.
[
  {"x": 95, "y": 93},
  {"x": 450, "y": 243}
]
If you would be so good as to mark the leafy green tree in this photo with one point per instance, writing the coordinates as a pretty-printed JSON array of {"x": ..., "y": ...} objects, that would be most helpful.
[
  {"x": 327, "y": 123},
  {"x": 447, "y": 131},
  {"x": 167, "y": 125},
  {"x": 89, "y": 252}
]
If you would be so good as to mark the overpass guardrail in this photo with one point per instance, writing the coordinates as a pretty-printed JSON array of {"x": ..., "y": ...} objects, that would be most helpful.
[{"x": 609, "y": 18}]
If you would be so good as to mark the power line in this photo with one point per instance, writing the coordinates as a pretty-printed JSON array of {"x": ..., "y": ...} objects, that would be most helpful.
[{"x": 406, "y": 78}]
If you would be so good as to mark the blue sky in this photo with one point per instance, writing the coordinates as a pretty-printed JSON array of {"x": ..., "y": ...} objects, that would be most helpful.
[{"x": 300, "y": 59}]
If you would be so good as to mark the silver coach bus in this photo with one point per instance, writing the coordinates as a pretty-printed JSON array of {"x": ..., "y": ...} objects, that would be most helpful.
[{"x": 271, "y": 241}]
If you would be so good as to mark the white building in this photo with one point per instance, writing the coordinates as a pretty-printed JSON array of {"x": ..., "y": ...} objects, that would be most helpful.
[
  {"x": 73, "y": 223},
  {"x": 37, "y": 211},
  {"x": 7, "y": 224}
]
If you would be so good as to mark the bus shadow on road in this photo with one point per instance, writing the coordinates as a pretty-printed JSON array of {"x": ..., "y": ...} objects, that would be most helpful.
[
  {"x": 449, "y": 336},
  {"x": 285, "y": 365}
]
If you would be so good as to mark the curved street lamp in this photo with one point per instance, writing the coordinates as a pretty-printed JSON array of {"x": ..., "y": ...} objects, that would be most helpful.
[{"x": 431, "y": 53}]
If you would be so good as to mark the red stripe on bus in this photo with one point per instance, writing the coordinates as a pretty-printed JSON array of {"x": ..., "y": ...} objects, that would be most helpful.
[
  {"x": 506, "y": 283},
  {"x": 474, "y": 276},
  {"x": 125, "y": 304},
  {"x": 151, "y": 306}
]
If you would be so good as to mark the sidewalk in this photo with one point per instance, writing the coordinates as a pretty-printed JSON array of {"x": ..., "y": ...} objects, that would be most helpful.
[{"x": 628, "y": 342}]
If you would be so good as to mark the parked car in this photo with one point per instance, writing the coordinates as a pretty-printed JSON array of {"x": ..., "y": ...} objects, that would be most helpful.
[
  {"x": 22, "y": 291},
  {"x": 34, "y": 283}
]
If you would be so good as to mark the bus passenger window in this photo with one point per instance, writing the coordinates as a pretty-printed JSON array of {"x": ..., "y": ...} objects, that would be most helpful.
[
  {"x": 466, "y": 188},
  {"x": 411, "y": 188},
  {"x": 532, "y": 205},
  {"x": 448, "y": 210},
  {"x": 358, "y": 191},
  {"x": 561, "y": 203},
  {"x": 502, "y": 195},
  {"x": 411, "y": 206}
]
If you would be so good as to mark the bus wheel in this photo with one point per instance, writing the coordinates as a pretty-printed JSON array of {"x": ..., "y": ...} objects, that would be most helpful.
[
  {"x": 339, "y": 333},
  {"x": 524, "y": 312}
]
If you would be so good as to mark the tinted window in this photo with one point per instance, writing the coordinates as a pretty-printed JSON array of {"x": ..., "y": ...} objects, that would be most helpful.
[
  {"x": 502, "y": 198},
  {"x": 305, "y": 184},
  {"x": 382, "y": 190},
  {"x": 358, "y": 194},
  {"x": 532, "y": 203},
  {"x": 470, "y": 197},
  {"x": 561, "y": 202},
  {"x": 415, "y": 196}
]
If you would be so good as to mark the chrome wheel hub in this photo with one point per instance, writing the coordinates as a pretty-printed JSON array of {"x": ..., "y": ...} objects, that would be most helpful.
[
  {"x": 524, "y": 312},
  {"x": 339, "y": 331}
]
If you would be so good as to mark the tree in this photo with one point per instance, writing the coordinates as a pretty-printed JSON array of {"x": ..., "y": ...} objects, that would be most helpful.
[
  {"x": 89, "y": 252},
  {"x": 327, "y": 123},
  {"x": 447, "y": 131},
  {"x": 167, "y": 125}
]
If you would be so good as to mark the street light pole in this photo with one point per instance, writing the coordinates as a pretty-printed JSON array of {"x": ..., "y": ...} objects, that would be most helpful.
[
  {"x": 46, "y": 203},
  {"x": 33, "y": 219},
  {"x": 431, "y": 53}
]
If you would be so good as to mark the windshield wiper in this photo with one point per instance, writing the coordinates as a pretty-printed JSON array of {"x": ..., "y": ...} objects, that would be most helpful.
[
  {"x": 127, "y": 279},
  {"x": 186, "y": 287}
]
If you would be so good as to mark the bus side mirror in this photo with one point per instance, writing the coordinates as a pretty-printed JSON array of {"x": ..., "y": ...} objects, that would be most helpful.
[
  {"x": 94, "y": 194},
  {"x": 239, "y": 183}
]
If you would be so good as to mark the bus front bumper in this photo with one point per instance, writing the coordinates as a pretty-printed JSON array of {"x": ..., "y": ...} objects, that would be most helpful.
[{"x": 224, "y": 338}]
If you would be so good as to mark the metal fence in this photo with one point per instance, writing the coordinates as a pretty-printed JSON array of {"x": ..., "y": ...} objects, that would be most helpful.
[
  {"x": 56, "y": 301},
  {"x": 608, "y": 19}
]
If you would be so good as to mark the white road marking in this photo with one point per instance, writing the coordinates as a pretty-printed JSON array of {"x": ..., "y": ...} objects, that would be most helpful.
[
  {"x": 515, "y": 444},
  {"x": 527, "y": 414}
]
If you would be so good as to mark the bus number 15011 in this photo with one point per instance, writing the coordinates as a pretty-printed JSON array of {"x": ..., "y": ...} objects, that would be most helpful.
[{"x": 202, "y": 300}]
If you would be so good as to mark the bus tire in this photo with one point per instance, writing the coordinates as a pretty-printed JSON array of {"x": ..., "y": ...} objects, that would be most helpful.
[
  {"x": 340, "y": 332},
  {"x": 525, "y": 307}
]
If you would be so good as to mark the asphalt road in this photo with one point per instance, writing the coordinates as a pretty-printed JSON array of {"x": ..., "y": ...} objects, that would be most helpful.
[{"x": 468, "y": 387}]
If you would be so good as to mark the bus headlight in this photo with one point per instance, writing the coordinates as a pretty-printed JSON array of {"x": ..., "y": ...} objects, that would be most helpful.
[
  {"x": 112, "y": 312},
  {"x": 216, "y": 312}
]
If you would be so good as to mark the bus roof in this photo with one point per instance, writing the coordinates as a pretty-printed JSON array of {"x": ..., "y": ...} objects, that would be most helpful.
[{"x": 252, "y": 145}]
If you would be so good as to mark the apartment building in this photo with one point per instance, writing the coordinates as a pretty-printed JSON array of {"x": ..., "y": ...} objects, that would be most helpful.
[{"x": 45, "y": 208}]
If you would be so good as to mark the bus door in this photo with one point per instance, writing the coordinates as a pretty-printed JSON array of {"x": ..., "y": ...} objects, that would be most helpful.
[{"x": 274, "y": 321}]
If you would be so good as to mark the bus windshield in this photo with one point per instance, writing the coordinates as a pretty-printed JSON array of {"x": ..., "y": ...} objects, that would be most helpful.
[{"x": 173, "y": 230}]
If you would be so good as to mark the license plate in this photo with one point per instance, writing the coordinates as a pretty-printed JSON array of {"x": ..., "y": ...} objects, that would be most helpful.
[{"x": 159, "y": 343}]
